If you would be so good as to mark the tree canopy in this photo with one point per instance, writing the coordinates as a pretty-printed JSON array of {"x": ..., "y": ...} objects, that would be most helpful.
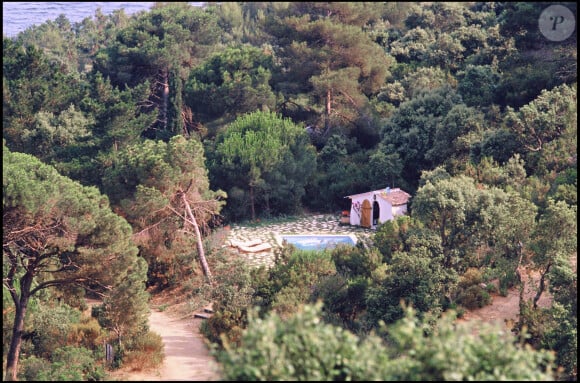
[
  {"x": 57, "y": 233},
  {"x": 152, "y": 184},
  {"x": 304, "y": 348},
  {"x": 262, "y": 157}
]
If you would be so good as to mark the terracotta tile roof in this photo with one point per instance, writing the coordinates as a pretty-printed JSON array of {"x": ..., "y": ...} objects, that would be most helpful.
[{"x": 395, "y": 196}]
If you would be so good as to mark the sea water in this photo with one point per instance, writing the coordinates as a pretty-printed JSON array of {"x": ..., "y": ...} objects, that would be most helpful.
[{"x": 18, "y": 16}]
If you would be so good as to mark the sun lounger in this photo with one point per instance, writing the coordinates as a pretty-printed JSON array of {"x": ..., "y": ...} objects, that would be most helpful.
[
  {"x": 256, "y": 248},
  {"x": 253, "y": 242}
]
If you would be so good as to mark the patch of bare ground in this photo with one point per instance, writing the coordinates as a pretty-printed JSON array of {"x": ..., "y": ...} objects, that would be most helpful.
[
  {"x": 504, "y": 310},
  {"x": 187, "y": 356}
]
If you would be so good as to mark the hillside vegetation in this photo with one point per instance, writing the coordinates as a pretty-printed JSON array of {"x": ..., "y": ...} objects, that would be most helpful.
[{"x": 129, "y": 142}]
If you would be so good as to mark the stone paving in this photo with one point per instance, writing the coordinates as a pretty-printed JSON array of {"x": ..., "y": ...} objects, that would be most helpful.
[{"x": 313, "y": 224}]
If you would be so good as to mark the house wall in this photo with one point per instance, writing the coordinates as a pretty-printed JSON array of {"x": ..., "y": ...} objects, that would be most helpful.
[
  {"x": 354, "y": 216},
  {"x": 399, "y": 210},
  {"x": 356, "y": 207},
  {"x": 386, "y": 212}
]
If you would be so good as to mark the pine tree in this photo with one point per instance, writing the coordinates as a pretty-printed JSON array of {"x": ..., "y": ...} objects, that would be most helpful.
[{"x": 56, "y": 232}]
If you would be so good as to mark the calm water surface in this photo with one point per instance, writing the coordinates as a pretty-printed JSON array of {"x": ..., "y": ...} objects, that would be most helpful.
[
  {"x": 17, "y": 16},
  {"x": 318, "y": 242}
]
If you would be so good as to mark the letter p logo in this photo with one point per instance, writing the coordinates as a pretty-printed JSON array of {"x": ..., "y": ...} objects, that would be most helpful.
[
  {"x": 557, "y": 23},
  {"x": 557, "y": 20}
]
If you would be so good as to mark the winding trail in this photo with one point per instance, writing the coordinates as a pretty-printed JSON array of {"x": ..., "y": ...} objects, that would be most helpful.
[{"x": 187, "y": 357}]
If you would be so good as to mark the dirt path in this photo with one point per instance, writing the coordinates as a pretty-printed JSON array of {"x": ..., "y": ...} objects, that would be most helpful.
[{"x": 186, "y": 355}]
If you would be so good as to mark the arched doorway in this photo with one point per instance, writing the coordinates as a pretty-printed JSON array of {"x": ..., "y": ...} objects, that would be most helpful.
[
  {"x": 365, "y": 219},
  {"x": 376, "y": 213}
]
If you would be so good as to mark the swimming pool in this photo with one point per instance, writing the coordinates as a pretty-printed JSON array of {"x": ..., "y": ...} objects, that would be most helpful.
[{"x": 317, "y": 241}]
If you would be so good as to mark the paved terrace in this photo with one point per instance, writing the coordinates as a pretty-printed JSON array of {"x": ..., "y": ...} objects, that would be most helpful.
[{"x": 314, "y": 224}]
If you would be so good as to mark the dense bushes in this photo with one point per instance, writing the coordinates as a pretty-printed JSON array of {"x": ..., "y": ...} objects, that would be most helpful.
[
  {"x": 470, "y": 293},
  {"x": 67, "y": 363},
  {"x": 302, "y": 347},
  {"x": 474, "y": 297},
  {"x": 144, "y": 352},
  {"x": 231, "y": 297},
  {"x": 282, "y": 288}
]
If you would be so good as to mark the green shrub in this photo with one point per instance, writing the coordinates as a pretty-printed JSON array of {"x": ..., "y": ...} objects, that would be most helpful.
[
  {"x": 471, "y": 292},
  {"x": 289, "y": 283},
  {"x": 416, "y": 277},
  {"x": 32, "y": 367},
  {"x": 51, "y": 325},
  {"x": 68, "y": 363},
  {"x": 503, "y": 291},
  {"x": 88, "y": 333},
  {"x": 460, "y": 312},
  {"x": 507, "y": 280},
  {"x": 144, "y": 351},
  {"x": 491, "y": 288},
  {"x": 472, "y": 276},
  {"x": 290, "y": 297},
  {"x": 225, "y": 324},
  {"x": 294, "y": 278},
  {"x": 344, "y": 299},
  {"x": 354, "y": 260},
  {"x": 231, "y": 297},
  {"x": 300, "y": 348},
  {"x": 304, "y": 348},
  {"x": 473, "y": 297},
  {"x": 162, "y": 307},
  {"x": 387, "y": 239}
]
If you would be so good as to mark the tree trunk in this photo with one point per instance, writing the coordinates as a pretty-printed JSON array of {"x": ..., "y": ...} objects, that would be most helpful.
[
  {"x": 252, "y": 208},
  {"x": 164, "y": 98},
  {"x": 542, "y": 286},
  {"x": 442, "y": 230},
  {"x": 17, "y": 328},
  {"x": 200, "y": 250},
  {"x": 328, "y": 111},
  {"x": 15, "y": 343},
  {"x": 267, "y": 202},
  {"x": 520, "y": 280}
]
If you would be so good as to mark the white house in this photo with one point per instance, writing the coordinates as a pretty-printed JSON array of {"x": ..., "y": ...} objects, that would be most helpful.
[{"x": 378, "y": 206}]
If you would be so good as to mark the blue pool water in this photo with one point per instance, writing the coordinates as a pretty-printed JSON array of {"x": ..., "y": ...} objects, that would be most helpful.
[{"x": 318, "y": 242}]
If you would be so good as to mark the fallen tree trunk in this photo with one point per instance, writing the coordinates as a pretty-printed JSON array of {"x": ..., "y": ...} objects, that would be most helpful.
[{"x": 200, "y": 251}]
